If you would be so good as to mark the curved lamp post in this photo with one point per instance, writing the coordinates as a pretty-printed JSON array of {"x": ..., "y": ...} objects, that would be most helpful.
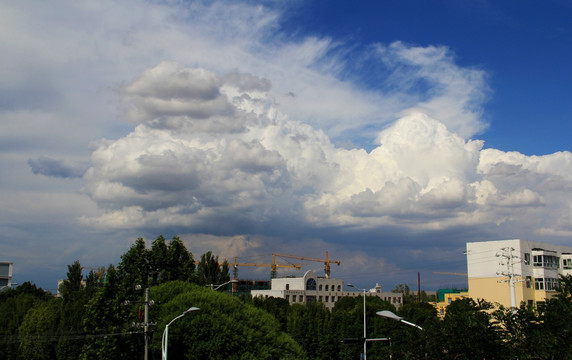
[
  {"x": 165, "y": 340},
  {"x": 221, "y": 285},
  {"x": 388, "y": 314},
  {"x": 364, "y": 323}
]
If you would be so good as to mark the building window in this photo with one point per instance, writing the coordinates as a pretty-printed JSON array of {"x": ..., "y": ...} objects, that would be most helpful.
[
  {"x": 546, "y": 261},
  {"x": 528, "y": 282},
  {"x": 551, "y": 284},
  {"x": 287, "y": 297},
  {"x": 320, "y": 287},
  {"x": 301, "y": 298},
  {"x": 326, "y": 287},
  {"x": 339, "y": 288},
  {"x": 539, "y": 284},
  {"x": 567, "y": 264},
  {"x": 526, "y": 258},
  {"x": 320, "y": 298},
  {"x": 311, "y": 284},
  {"x": 326, "y": 298},
  {"x": 287, "y": 286}
]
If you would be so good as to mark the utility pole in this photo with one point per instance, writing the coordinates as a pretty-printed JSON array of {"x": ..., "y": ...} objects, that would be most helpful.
[
  {"x": 146, "y": 325},
  {"x": 508, "y": 260}
]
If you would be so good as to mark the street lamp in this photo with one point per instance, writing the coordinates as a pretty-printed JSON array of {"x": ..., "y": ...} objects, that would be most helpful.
[
  {"x": 388, "y": 314},
  {"x": 364, "y": 323},
  {"x": 221, "y": 285},
  {"x": 165, "y": 340}
]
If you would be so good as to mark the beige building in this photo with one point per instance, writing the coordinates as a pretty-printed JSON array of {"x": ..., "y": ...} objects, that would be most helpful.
[
  {"x": 311, "y": 288},
  {"x": 510, "y": 272}
]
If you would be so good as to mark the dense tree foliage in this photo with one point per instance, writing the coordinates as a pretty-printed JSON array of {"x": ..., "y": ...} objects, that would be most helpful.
[
  {"x": 224, "y": 328},
  {"x": 100, "y": 316},
  {"x": 14, "y": 305}
]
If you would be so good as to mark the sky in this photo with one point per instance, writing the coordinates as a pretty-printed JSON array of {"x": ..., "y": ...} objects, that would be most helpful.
[{"x": 388, "y": 134}]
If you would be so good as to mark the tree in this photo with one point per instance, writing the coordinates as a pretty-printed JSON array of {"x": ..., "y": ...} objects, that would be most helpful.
[
  {"x": 158, "y": 260},
  {"x": 180, "y": 264},
  {"x": 468, "y": 331},
  {"x": 224, "y": 328},
  {"x": 134, "y": 267},
  {"x": 209, "y": 271},
  {"x": 74, "y": 281},
  {"x": 37, "y": 332},
  {"x": 108, "y": 319},
  {"x": 14, "y": 305}
]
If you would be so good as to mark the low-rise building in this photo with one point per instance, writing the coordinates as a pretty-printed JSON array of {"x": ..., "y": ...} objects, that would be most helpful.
[
  {"x": 311, "y": 288},
  {"x": 516, "y": 271},
  {"x": 5, "y": 274}
]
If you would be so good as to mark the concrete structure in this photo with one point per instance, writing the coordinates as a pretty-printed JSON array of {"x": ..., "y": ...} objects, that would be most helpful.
[
  {"x": 5, "y": 274},
  {"x": 510, "y": 272},
  {"x": 311, "y": 288}
]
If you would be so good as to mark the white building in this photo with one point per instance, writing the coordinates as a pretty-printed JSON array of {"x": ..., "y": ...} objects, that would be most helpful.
[
  {"x": 311, "y": 288},
  {"x": 532, "y": 267},
  {"x": 5, "y": 274}
]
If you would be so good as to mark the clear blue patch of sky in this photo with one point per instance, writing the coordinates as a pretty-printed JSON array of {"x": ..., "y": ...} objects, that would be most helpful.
[{"x": 525, "y": 46}]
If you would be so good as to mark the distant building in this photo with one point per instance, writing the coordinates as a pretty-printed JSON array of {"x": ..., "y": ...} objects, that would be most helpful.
[
  {"x": 311, "y": 288},
  {"x": 5, "y": 274},
  {"x": 534, "y": 268}
]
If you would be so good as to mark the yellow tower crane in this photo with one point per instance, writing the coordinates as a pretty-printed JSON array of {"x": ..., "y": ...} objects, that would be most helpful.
[
  {"x": 273, "y": 266},
  {"x": 326, "y": 261}
]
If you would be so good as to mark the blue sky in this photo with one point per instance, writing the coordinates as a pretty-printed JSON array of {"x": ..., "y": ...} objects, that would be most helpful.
[
  {"x": 388, "y": 135},
  {"x": 523, "y": 46}
]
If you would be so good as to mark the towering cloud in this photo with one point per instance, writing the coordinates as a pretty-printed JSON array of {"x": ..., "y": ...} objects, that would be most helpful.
[{"x": 209, "y": 150}]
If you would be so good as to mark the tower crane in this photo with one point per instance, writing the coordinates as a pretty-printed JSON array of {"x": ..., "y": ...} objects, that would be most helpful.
[
  {"x": 326, "y": 261},
  {"x": 273, "y": 266}
]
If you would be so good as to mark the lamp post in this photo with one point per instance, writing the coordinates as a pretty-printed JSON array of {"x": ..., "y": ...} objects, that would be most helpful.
[
  {"x": 364, "y": 323},
  {"x": 388, "y": 314},
  {"x": 221, "y": 285},
  {"x": 165, "y": 340}
]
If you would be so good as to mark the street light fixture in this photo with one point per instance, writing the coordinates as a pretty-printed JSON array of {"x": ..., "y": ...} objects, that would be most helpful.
[
  {"x": 364, "y": 323},
  {"x": 388, "y": 314},
  {"x": 221, "y": 285},
  {"x": 165, "y": 340}
]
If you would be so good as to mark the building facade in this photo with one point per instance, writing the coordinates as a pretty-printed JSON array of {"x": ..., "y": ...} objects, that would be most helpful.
[
  {"x": 311, "y": 288},
  {"x": 507, "y": 271},
  {"x": 5, "y": 274}
]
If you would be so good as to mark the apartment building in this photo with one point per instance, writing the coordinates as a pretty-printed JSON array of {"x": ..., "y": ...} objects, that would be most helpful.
[
  {"x": 311, "y": 288},
  {"x": 515, "y": 271}
]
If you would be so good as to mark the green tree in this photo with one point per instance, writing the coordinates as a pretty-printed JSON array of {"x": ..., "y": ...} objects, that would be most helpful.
[
  {"x": 38, "y": 331},
  {"x": 556, "y": 322},
  {"x": 74, "y": 281},
  {"x": 14, "y": 305},
  {"x": 468, "y": 331},
  {"x": 210, "y": 271},
  {"x": 108, "y": 318},
  {"x": 224, "y": 328},
  {"x": 158, "y": 260},
  {"x": 180, "y": 264},
  {"x": 133, "y": 269},
  {"x": 74, "y": 299}
]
